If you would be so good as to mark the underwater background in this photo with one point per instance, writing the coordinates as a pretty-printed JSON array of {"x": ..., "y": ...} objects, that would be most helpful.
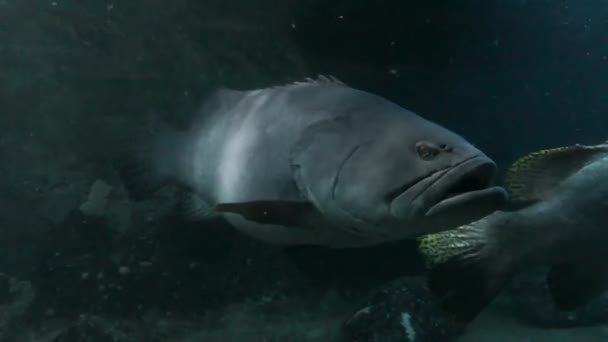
[{"x": 79, "y": 78}]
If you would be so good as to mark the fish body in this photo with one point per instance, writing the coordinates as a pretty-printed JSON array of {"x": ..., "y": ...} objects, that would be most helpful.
[
  {"x": 321, "y": 163},
  {"x": 561, "y": 222}
]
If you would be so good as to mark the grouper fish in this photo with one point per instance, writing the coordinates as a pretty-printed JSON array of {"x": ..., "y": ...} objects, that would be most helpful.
[
  {"x": 320, "y": 163},
  {"x": 556, "y": 219}
]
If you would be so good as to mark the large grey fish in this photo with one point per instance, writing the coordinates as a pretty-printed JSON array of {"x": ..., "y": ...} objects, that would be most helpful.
[
  {"x": 559, "y": 220},
  {"x": 320, "y": 163}
]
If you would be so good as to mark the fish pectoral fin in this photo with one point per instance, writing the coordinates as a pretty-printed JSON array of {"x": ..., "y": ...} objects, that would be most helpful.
[
  {"x": 574, "y": 284},
  {"x": 440, "y": 247},
  {"x": 464, "y": 277},
  {"x": 464, "y": 286},
  {"x": 300, "y": 214},
  {"x": 533, "y": 177}
]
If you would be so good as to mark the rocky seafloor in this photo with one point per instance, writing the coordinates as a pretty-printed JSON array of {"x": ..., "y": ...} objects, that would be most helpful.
[{"x": 176, "y": 280}]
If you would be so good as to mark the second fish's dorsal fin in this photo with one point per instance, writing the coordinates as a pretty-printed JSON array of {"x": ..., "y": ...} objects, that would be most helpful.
[{"x": 533, "y": 177}]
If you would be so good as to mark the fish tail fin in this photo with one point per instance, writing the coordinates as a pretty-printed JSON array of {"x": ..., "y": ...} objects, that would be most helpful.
[
  {"x": 149, "y": 165},
  {"x": 466, "y": 270},
  {"x": 196, "y": 208}
]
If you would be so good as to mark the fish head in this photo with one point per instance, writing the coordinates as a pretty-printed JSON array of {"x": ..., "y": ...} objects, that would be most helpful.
[{"x": 414, "y": 178}]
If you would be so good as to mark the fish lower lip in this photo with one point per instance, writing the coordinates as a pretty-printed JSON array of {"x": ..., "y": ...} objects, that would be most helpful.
[
  {"x": 485, "y": 200},
  {"x": 472, "y": 181},
  {"x": 478, "y": 175}
]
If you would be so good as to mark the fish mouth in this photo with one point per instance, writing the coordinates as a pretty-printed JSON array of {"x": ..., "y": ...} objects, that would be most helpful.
[{"x": 467, "y": 189}]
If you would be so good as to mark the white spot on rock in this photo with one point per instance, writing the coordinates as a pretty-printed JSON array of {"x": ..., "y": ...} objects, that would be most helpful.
[{"x": 406, "y": 323}]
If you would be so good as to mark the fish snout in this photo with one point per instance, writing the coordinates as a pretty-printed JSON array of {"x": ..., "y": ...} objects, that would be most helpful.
[
  {"x": 459, "y": 194},
  {"x": 465, "y": 192}
]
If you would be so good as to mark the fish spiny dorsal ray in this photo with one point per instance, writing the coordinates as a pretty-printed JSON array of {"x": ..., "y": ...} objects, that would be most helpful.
[
  {"x": 533, "y": 177},
  {"x": 318, "y": 80},
  {"x": 323, "y": 79}
]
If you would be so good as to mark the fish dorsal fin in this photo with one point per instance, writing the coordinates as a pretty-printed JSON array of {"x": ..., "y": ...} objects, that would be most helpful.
[
  {"x": 320, "y": 79},
  {"x": 533, "y": 177}
]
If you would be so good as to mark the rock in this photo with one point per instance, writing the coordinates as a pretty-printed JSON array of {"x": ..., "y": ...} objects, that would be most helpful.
[
  {"x": 400, "y": 311},
  {"x": 57, "y": 205},
  {"x": 91, "y": 329},
  {"x": 97, "y": 201},
  {"x": 16, "y": 297}
]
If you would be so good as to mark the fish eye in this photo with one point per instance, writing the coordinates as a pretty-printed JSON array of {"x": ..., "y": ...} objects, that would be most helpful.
[{"x": 425, "y": 151}]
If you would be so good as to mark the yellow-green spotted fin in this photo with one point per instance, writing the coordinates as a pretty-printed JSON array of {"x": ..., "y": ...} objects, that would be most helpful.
[
  {"x": 440, "y": 247},
  {"x": 533, "y": 177}
]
